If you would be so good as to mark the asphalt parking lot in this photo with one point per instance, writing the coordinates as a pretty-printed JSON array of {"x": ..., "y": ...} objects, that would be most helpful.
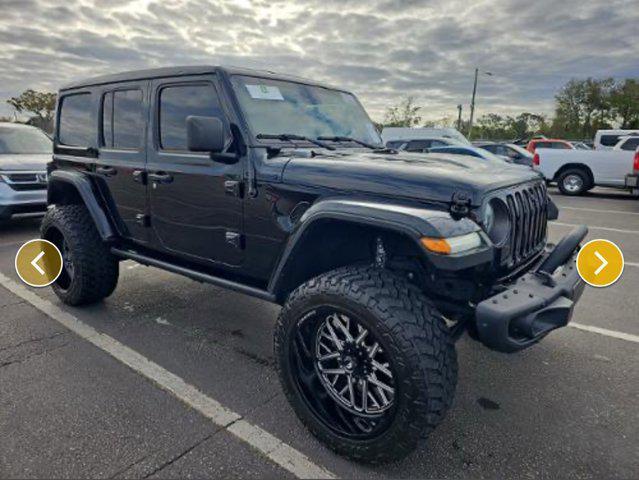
[{"x": 565, "y": 408}]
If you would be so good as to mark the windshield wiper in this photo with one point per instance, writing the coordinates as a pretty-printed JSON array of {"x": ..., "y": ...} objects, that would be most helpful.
[
  {"x": 290, "y": 137},
  {"x": 339, "y": 138}
]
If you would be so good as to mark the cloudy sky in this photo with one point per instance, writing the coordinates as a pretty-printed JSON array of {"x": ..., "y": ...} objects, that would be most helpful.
[{"x": 383, "y": 50}]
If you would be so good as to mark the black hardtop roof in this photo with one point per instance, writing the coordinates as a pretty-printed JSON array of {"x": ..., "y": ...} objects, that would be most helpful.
[{"x": 184, "y": 70}]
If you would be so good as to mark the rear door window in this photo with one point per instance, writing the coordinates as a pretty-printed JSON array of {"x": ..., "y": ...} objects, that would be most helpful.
[
  {"x": 178, "y": 102},
  {"x": 123, "y": 119},
  {"x": 76, "y": 121}
]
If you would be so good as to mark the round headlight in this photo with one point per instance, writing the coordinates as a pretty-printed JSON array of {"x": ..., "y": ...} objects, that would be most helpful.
[
  {"x": 488, "y": 218},
  {"x": 496, "y": 221}
]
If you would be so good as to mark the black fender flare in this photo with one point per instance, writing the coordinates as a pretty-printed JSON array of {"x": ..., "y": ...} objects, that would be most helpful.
[
  {"x": 81, "y": 183},
  {"x": 414, "y": 222}
]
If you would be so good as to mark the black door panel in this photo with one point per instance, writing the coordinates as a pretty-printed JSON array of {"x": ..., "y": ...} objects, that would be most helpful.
[
  {"x": 123, "y": 114},
  {"x": 191, "y": 209}
]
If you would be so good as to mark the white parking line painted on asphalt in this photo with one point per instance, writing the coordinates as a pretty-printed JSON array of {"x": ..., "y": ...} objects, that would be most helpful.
[
  {"x": 619, "y": 212},
  {"x": 11, "y": 244},
  {"x": 594, "y": 227},
  {"x": 604, "y": 331},
  {"x": 631, "y": 264},
  {"x": 276, "y": 450}
]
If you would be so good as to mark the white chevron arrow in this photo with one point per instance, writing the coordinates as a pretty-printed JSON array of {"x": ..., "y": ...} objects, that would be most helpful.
[
  {"x": 604, "y": 262},
  {"x": 34, "y": 262}
]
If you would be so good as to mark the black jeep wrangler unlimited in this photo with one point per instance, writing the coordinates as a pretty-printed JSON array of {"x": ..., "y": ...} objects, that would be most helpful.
[{"x": 280, "y": 188}]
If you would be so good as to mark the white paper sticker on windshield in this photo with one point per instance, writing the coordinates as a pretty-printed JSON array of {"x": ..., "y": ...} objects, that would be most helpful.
[{"x": 264, "y": 92}]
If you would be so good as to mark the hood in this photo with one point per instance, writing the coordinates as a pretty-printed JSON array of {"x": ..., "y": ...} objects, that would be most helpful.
[
  {"x": 27, "y": 161},
  {"x": 431, "y": 177}
]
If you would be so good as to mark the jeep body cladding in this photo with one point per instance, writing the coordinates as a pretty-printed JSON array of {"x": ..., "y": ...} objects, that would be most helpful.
[{"x": 71, "y": 187}]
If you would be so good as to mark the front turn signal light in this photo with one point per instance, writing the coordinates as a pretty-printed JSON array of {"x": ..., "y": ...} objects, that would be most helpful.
[
  {"x": 436, "y": 245},
  {"x": 452, "y": 245}
]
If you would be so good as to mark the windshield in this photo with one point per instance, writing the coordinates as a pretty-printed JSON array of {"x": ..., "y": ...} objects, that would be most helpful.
[
  {"x": 490, "y": 156},
  {"x": 472, "y": 152},
  {"x": 275, "y": 107},
  {"x": 522, "y": 151},
  {"x": 456, "y": 135},
  {"x": 23, "y": 140}
]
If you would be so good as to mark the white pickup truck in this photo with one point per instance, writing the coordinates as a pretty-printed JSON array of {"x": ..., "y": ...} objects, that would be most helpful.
[{"x": 577, "y": 171}]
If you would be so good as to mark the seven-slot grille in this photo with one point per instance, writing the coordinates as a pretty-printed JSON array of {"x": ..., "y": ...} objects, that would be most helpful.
[
  {"x": 25, "y": 180},
  {"x": 527, "y": 207}
]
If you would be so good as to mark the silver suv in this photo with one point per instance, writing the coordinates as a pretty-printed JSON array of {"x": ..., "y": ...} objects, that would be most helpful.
[{"x": 24, "y": 153}]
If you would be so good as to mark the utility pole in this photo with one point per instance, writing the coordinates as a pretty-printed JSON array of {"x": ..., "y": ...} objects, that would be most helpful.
[
  {"x": 472, "y": 106},
  {"x": 459, "y": 117},
  {"x": 472, "y": 102}
]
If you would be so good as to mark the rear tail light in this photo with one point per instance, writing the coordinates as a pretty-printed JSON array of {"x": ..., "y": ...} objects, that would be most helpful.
[
  {"x": 536, "y": 159},
  {"x": 635, "y": 164}
]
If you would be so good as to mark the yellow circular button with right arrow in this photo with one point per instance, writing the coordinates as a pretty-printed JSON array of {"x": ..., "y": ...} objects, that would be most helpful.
[{"x": 600, "y": 263}]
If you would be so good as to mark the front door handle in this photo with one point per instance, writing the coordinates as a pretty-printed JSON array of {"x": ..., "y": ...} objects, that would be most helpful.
[
  {"x": 106, "y": 171},
  {"x": 160, "y": 177}
]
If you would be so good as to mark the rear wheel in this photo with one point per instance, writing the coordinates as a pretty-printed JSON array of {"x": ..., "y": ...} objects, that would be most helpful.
[
  {"x": 90, "y": 271},
  {"x": 366, "y": 361},
  {"x": 573, "y": 182}
]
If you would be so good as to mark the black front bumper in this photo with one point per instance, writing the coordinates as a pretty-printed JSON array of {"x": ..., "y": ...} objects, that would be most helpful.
[{"x": 536, "y": 303}]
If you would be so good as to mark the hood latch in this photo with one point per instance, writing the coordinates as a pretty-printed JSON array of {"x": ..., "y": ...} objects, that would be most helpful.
[{"x": 460, "y": 205}]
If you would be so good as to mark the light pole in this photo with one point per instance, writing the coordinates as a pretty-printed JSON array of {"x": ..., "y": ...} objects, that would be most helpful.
[
  {"x": 459, "y": 115},
  {"x": 472, "y": 102}
]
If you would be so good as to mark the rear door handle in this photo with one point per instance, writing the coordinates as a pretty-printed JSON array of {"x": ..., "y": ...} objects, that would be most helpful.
[
  {"x": 160, "y": 177},
  {"x": 106, "y": 171}
]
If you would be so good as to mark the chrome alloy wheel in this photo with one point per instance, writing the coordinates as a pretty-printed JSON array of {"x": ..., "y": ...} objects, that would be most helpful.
[
  {"x": 352, "y": 366},
  {"x": 573, "y": 183}
]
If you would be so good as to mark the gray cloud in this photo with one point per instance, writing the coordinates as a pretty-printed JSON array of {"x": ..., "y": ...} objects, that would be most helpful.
[{"x": 383, "y": 50}]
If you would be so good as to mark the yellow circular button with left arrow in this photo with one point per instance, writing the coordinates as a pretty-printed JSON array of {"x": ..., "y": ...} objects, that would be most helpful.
[
  {"x": 600, "y": 263},
  {"x": 38, "y": 263}
]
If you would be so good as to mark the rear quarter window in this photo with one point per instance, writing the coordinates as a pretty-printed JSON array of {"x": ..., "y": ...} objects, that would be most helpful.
[
  {"x": 631, "y": 144},
  {"x": 76, "y": 120}
]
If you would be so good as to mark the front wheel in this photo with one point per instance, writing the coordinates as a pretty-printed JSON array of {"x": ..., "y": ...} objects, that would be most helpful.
[{"x": 366, "y": 361}]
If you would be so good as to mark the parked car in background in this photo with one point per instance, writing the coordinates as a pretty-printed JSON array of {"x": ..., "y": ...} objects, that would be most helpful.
[
  {"x": 422, "y": 144},
  {"x": 390, "y": 134},
  {"x": 577, "y": 171},
  {"x": 548, "y": 143},
  {"x": 629, "y": 143},
  {"x": 513, "y": 153},
  {"x": 24, "y": 153},
  {"x": 580, "y": 146},
  {"x": 470, "y": 151},
  {"x": 607, "y": 139}
]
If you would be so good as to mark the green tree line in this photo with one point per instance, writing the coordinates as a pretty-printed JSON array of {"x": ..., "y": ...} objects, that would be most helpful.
[{"x": 581, "y": 108}]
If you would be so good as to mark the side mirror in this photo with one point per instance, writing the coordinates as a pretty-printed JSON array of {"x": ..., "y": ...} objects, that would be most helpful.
[{"x": 205, "y": 134}]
